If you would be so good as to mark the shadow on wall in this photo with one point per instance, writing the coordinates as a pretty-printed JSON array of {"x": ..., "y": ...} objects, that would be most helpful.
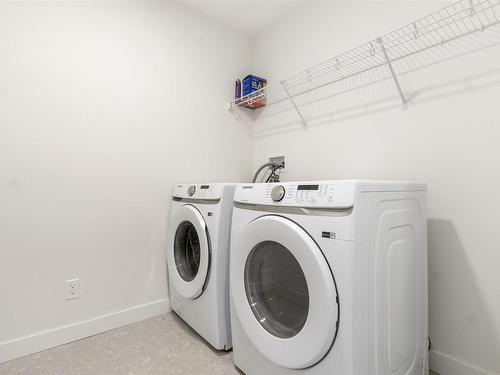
[
  {"x": 458, "y": 316},
  {"x": 454, "y": 68},
  {"x": 421, "y": 96}
]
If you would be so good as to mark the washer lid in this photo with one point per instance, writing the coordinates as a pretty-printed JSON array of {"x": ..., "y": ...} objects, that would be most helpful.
[
  {"x": 284, "y": 292},
  {"x": 188, "y": 256}
]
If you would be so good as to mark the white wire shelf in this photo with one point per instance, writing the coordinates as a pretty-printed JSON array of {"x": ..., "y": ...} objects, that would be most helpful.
[{"x": 456, "y": 29}]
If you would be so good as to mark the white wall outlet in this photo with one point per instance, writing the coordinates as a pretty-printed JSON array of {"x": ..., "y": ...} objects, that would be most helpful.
[
  {"x": 278, "y": 160},
  {"x": 72, "y": 289}
]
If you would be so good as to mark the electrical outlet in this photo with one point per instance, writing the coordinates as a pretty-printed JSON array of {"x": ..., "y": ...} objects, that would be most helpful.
[
  {"x": 278, "y": 160},
  {"x": 72, "y": 289}
]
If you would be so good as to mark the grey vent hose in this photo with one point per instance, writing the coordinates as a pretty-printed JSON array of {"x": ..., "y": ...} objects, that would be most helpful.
[{"x": 260, "y": 170}]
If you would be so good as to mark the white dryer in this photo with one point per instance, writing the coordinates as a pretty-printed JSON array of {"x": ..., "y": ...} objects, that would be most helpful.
[
  {"x": 198, "y": 259},
  {"x": 329, "y": 277}
]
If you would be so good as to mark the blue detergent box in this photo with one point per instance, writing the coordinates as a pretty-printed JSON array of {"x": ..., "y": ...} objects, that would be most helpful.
[{"x": 249, "y": 85}]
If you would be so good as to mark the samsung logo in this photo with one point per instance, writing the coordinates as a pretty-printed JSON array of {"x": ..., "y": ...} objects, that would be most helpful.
[
  {"x": 330, "y": 235},
  {"x": 247, "y": 187}
]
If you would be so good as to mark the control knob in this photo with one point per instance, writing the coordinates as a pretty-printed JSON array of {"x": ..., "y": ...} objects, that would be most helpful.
[
  {"x": 191, "y": 190},
  {"x": 278, "y": 193}
]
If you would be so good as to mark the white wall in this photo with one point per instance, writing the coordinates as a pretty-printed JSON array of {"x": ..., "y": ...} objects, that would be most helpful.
[
  {"x": 101, "y": 111},
  {"x": 103, "y": 106},
  {"x": 449, "y": 137}
]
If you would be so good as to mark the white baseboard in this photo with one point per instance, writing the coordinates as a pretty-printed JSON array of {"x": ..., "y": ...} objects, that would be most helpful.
[
  {"x": 444, "y": 364},
  {"x": 54, "y": 337}
]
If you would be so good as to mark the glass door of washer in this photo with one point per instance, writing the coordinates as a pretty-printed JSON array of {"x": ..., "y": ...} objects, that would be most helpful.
[{"x": 189, "y": 254}]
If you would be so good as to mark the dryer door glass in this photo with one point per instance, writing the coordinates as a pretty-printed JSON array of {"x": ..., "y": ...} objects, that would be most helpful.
[
  {"x": 276, "y": 289},
  {"x": 283, "y": 292},
  {"x": 187, "y": 251}
]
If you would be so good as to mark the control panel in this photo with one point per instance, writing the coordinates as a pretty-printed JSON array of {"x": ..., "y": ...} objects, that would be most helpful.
[
  {"x": 339, "y": 194},
  {"x": 198, "y": 191}
]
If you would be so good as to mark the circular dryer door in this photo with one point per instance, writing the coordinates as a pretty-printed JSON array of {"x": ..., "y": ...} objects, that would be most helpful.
[
  {"x": 188, "y": 256},
  {"x": 284, "y": 292}
]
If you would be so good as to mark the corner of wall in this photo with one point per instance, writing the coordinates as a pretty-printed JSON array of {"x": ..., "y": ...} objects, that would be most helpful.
[{"x": 446, "y": 365}]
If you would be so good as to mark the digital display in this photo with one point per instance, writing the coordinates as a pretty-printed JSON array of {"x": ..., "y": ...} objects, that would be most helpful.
[
  {"x": 308, "y": 187},
  {"x": 204, "y": 186}
]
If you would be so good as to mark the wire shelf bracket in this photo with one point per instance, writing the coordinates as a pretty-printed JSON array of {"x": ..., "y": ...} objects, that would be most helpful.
[
  {"x": 235, "y": 110},
  {"x": 302, "y": 119},
  {"x": 393, "y": 73}
]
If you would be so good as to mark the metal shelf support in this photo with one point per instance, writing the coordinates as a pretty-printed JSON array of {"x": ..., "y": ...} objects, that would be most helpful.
[
  {"x": 234, "y": 109},
  {"x": 302, "y": 119},
  {"x": 393, "y": 73}
]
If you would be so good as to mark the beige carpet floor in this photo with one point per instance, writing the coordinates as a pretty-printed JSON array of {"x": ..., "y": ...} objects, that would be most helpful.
[
  {"x": 157, "y": 346},
  {"x": 160, "y": 345}
]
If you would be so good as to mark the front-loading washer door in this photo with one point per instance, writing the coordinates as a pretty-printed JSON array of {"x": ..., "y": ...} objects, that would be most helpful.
[
  {"x": 283, "y": 292},
  {"x": 189, "y": 252}
]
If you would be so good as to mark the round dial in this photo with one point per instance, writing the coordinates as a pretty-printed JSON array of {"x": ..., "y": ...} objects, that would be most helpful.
[
  {"x": 191, "y": 190},
  {"x": 278, "y": 193}
]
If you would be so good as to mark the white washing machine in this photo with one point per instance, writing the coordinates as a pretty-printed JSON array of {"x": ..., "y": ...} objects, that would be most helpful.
[
  {"x": 198, "y": 259},
  {"x": 329, "y": 278}
]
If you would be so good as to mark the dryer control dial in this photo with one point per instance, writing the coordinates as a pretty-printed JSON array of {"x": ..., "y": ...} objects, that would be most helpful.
[
  {"x": 191, "y": 190},
  {"x": 278, "y": 193}
]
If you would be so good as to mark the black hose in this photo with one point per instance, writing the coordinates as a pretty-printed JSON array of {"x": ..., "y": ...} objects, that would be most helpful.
[
  {"x": 273, "y": 173},
  {"x": 260, "y": 170}
]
